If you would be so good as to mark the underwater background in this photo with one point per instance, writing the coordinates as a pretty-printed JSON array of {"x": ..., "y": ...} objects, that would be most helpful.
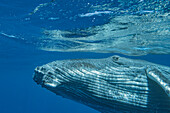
[{"x": 36, "y": 32}]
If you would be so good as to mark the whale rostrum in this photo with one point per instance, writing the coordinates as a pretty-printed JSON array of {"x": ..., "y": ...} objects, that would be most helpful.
[{"x": 110, "y": 85}]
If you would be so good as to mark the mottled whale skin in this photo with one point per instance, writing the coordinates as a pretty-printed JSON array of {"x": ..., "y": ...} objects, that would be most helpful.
[{"x": 110, "y": 85}]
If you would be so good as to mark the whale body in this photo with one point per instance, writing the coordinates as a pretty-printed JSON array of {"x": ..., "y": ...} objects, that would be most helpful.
[{"x": 110, "y": 85}]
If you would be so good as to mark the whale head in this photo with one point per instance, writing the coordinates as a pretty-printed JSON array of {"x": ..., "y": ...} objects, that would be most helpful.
[{"x": 113, "y": 84}]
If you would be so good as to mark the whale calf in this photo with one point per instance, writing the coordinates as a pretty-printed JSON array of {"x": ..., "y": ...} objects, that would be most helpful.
[{"x": 110, "y": 85}]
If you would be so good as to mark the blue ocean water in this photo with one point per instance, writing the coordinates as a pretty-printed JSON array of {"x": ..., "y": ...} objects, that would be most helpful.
[{"x": 23, "y": 22}]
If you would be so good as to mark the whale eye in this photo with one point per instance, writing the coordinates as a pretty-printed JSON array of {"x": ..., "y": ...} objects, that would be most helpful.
[{"x": 115, "y": 58}]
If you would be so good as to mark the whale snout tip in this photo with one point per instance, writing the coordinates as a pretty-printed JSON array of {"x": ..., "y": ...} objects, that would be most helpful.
[
  {"x": 38, "y": 75},
  {"x": 46, "y": 78}
]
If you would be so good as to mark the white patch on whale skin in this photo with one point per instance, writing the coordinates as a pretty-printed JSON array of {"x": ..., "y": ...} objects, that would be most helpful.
[{"x": 50, "y": 84}]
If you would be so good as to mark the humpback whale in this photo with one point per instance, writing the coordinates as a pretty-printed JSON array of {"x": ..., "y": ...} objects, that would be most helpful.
[{"x": 110, "y": 85}]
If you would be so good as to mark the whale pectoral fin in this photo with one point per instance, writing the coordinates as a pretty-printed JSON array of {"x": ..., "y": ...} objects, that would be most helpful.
[{"x": 161, "y": 75}]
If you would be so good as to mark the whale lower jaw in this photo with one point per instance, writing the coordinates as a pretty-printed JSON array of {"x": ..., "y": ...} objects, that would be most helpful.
[{"x": 109, "y": 85}]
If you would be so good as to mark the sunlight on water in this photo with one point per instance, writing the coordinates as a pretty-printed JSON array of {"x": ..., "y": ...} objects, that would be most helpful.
[{"x": 129, "y": 27}]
